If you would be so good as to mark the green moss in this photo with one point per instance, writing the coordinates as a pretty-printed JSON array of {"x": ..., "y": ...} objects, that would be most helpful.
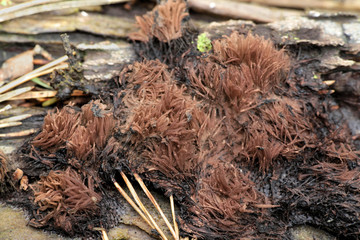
[{"x": 203, "y": 43}]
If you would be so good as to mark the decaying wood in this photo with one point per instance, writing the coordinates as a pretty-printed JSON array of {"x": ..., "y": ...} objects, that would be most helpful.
[
  {"x": 10, "y": 68},
  {"x": 88, "y": 22},
  {"x": 347, "y": 5},
  {"x": 233, "y": 9}
]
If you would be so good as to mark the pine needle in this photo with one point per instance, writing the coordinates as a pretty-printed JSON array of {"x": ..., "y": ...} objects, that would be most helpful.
[
  {"x": 141, "y": 205},
  {"x": 15, "y": 118},
  {"x": 16, "y": 92},
  {"x": 172, "y": 205},
  {"x": 103, "y": 232},
  {"x": 154, "y": 202},
  {"x": 19, "y": 134},
  {"x": 10, "y": 124},
  {"x": 132, "y": 203}
]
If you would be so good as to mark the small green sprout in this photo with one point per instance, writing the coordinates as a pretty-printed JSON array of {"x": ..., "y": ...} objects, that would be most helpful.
[{"x": 203, "y": 43}]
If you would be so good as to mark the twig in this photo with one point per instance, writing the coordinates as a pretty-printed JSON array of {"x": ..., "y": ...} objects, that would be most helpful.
[
  {"x": 19, "y": 134},
  {"x": 35, "y": 73},
  {"x": 141, "y": 205},
  {"x": 15, "y": 118},
  {"x": 39, "y": 50},
  {"x": 152, "y": 199}
]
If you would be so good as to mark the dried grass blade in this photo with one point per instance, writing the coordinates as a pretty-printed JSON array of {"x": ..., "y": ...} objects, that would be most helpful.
[
  {"x": 15, "y": 118},
  {"x": 35, "y": 95},
  {"x": 266, "y": 206},
  {"x": 152, "y": 199},
  {"x": 141, "y": 205},
  {"x": 55, "y": 5},
  {"x": 103, "y": 232},
  {"x": 24, "y": 5},
  {"x": 172, "y": 205},
  {"x": 131, "y": 202},
  {"x": 7, "y": 107},
  {"x": 50, "y": 70},
  {"x": 10, "y": 124},
  {"x": 44, "y": 94},
  {"x": 19, "y": 134},
  {"x": 16, "y": 92}
]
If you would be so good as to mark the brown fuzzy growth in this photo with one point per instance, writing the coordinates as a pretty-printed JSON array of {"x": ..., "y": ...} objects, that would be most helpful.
[
  {"x": 82, "y": 133},
  {"x": 227, "y": 195},
  {"x": 162, "y": 117},
  {"x": 58, "y": 127},
  {"x": 229, "y": 86},
  {"x": 232, "y": 120},
  {"x": 275, "y": 129},
  {"x": 237, "y": 82},
  {"x": 148, "y": 77},
  {"x": 163, "y": 23},
  {"x": 63, "y": 197},
  {"x": 145, "y": 23},
  {"x": 257, "y": 57},
  {"x": 93, "y": 132}
]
